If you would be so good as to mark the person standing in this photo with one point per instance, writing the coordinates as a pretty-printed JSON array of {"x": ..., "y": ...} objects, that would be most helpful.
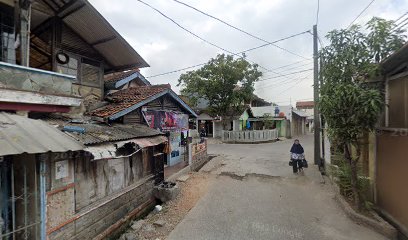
[{"x": 297, "y": 156}]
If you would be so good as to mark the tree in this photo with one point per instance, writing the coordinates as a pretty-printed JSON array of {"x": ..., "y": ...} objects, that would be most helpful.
[
  {"x": 350, "y": 105},
  {"x": 224, "y": 81}
]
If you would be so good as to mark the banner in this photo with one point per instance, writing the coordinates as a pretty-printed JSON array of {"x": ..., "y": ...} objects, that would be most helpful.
[{"x": 166, "y": 121}]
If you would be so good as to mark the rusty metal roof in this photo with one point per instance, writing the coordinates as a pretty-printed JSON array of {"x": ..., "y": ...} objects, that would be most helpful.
[
  {"x": 24, "y": 135},
  {"x": 91, "y": 26},
  {"x": 305, "y": 104},
  {"x": 100, "y": 133}
]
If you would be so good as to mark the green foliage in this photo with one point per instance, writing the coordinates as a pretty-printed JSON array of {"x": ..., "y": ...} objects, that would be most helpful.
[
  {"x": 267, "y": 120},
  {"x": 383, "y": 39},
  {"x": 224, "y": 81},
  {"x": 342, "y": 176},
  {"x": 350, "y": 111},
  {"x": 349, "y": 106}
]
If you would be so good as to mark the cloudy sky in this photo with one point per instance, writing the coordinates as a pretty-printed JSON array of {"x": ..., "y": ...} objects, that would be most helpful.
[{"x": 166, "y": 47}]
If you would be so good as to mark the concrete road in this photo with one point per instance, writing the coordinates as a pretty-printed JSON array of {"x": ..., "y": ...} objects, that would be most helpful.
[{"x": 256, "y": 196}]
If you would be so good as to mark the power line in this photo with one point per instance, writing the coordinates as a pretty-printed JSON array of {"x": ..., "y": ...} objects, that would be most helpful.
[
  {"x": 396, "y": 20},
  {"x": 261, "y": 80},
  {"x": 369, "y": 4},
  {"x": 213, "y": 44},
  {"x": 287, "y": 70},
  {"x": 291, "y": 64},
  {"x": 296, "y": 67},
  {"x": 294, "y": 85},
  {"x": 175, "y": 71},
  {"x": 284, "y": 82},
  {"x": 238, "y": 29},
  {"x": 400, "y": 24},
  {"x": 201, "y": 64}
]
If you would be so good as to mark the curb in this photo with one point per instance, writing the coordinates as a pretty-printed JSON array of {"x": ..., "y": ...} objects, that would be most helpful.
[
  {"x": 180, "y": 173},
  {"x": 380, "y": 226}
]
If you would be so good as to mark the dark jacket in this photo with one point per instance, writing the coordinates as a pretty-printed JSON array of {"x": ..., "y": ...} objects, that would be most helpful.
[{"x": 297, "y": 148}]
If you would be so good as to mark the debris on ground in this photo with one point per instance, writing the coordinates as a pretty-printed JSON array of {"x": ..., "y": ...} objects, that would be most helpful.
[
  {"x": 183, "y": 178},
  {"x": 158, "y": 225}
]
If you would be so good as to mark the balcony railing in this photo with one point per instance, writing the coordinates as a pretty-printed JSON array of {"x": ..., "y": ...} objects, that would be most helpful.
[
  {"x": 22, "y": 78},
  {"x": 255, "y": 136}
]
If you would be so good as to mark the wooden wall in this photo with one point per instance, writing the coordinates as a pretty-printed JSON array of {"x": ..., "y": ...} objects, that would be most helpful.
[{"x": 392, "y": 177}]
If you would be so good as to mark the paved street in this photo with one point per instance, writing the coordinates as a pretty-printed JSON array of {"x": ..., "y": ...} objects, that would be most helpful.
[{"x": 256, "y": 196}]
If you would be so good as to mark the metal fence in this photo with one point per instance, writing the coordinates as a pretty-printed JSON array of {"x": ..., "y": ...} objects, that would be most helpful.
[{"x": 249, "y": 136}]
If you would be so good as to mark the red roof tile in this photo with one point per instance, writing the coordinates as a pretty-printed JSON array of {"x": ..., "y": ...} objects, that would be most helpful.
[
  {"x": 126, "y": 98},
  {"x": 304, "y": 104},
  {"x": 113, "y": 77}
]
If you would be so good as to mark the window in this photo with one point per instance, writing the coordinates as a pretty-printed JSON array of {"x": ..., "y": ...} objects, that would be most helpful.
[
  {"x": 90, "y": 73},
  {"x": 398, "y": 103},
  {"x": 7, "y": 51}
]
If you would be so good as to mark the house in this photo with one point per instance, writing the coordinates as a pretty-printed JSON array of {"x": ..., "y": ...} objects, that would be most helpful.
[
  {"x": 308, "y": 107},
  {"x": 158, "y": 106},
  {"x": 290, "y": 122},
  {"x": 60, "y": 66},
  {"x": 388, "y": 158},
  {"x": 78, "y": 178},
  {"x": 112, "y": 178},
  {"x": 34, "y": 172},
  {"x": 124, "y": 79}
]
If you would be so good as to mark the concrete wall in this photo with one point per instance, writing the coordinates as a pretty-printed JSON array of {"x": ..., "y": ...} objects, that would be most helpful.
[
  {"x": 34, "y": 80},
  {"x": 217, "y": 127}
]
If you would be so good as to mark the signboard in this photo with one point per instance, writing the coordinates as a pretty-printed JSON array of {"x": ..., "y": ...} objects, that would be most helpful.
[
  {"x": 61, "y": 169},
  {"x": 166, "y": 121}
]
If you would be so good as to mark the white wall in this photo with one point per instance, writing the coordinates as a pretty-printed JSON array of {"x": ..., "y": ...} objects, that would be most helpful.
[{"x": 217, "y": 128}]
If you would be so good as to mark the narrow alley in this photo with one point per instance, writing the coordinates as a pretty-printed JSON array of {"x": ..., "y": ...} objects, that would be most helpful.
[{"x": 256, "y": 196}]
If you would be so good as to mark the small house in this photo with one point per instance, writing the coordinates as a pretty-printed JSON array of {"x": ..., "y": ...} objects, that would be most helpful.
[{"x": 158, "y": 107}]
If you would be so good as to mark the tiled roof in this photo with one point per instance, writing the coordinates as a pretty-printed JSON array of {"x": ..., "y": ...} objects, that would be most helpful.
[
  {"x": 113, "y": 77},
  {"x": 304, "y": 104},
  {"x": 126, "y": 98}
]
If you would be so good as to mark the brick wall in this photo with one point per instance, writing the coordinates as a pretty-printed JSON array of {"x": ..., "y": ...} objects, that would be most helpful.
[
  {"x": 199, "y": 155},
  {"x": 98, "y": 217}
]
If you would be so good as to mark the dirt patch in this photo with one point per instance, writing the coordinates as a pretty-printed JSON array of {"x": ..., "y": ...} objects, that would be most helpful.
[{"x": 174, "y": 211}]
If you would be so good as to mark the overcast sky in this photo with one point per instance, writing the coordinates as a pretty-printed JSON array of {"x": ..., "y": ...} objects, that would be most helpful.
[{"x": 166, "y": 47}]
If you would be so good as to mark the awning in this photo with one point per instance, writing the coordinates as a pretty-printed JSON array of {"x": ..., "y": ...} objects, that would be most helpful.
[
  {"x": 24, "y": 135},
  {"x": 110, "y": 150}
]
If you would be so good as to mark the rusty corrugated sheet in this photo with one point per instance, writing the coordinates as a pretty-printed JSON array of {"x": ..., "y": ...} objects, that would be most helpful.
[
  {"x": 23, "y": 135},
  {"x": 108, "y": 150},
  {"x": 99, "y": 133}
]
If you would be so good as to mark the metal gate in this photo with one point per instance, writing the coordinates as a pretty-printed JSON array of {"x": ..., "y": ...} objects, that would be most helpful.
[{"x": 19, "y": 198}]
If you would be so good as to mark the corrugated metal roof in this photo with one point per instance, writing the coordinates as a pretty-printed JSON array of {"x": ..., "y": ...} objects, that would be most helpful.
[
  {"x": 23, "y": 135},
  {"x": 261, "y": 111},
  {"x": 98, "y": 133},
  {"x": 88, "y": 23},
  {"x": 109, "y": 150},
  {"x": 300, "y": 113}
]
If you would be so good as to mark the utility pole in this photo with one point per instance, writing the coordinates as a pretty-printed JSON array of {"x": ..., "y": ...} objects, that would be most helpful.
[{"x": 316, "y": 119}]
